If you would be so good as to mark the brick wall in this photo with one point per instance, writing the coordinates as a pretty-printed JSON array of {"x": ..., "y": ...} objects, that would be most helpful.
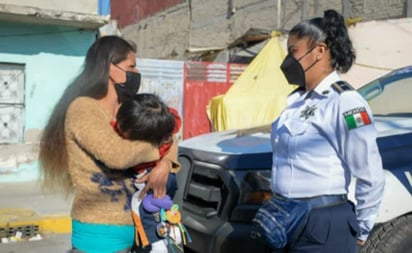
[{"x": 128, "y": 12}]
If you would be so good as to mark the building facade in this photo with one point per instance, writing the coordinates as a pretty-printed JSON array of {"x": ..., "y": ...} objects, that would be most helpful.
[{"x": 42, "y": 47}]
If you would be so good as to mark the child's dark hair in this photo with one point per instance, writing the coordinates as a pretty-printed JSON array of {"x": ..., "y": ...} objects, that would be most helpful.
[
  {"x": 331, "y": 30},
  {"x": 145, "y": 118}
]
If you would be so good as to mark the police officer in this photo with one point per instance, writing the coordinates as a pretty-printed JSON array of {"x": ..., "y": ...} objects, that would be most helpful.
[{"x": 324, "y": 137}]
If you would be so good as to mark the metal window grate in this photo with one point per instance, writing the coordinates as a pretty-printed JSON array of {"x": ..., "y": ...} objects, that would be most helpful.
[
  {"x": 11, "y": 103},
  {"x": 27, "y": 231}
]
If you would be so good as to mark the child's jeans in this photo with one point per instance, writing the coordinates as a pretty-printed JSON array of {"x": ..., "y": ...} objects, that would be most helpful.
[
  {"x": 151, "y": 220},
  {"x": 156, "y": 247}
]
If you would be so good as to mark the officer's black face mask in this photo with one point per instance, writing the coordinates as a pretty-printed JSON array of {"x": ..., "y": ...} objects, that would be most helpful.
[
  {"x": 127, "y": 90},
  {"x": 293, "y": 71}
]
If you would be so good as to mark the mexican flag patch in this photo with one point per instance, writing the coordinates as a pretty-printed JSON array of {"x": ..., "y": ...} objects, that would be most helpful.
[{"x": 356, "y": 118}]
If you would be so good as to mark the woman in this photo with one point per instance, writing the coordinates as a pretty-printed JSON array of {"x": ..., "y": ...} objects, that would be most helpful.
[
  {"x": 324, "y": 137},
  {"x": 81, "y": 152}
]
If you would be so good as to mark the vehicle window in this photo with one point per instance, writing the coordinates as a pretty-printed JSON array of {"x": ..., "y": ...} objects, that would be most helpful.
[{"x": 394, "y": 100}]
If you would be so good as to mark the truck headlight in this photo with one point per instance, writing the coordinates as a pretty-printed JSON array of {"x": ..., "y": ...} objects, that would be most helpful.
[{"x": 255, "y": 187}]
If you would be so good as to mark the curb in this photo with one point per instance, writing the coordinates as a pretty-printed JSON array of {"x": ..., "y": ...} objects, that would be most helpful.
[{"x": 22, "y": 223}]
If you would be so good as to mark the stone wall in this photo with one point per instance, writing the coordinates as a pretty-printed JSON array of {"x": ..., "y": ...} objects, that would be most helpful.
[
  {"x": 198, "y": 24},
  {"x": 378, "y": 9},
  {"x": 162, "y": 36}
]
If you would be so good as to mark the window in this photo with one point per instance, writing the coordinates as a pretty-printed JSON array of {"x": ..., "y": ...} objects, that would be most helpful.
[{"x": 11, "y": 103}]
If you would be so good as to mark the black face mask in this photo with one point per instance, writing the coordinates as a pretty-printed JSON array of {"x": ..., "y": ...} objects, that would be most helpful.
[
  {"x": 127, "y": 90},
  {"x": 293, "y": 70}
]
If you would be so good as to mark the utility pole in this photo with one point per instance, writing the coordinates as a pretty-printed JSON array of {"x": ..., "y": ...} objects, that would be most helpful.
[
  {"x": 304, "y": 14},
  {"x": 346, "y": 9},
  {"x": 316, "y": 6},
  {"x": 279, "y": 6}
]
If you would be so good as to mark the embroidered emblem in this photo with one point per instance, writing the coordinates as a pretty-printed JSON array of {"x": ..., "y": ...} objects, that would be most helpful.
[
  {"x": 356, "y": 118},
  {"x": 309, "y": 111}
]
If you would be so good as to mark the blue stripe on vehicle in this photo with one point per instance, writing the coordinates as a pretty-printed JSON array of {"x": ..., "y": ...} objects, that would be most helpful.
[
  {"x": 396, "y": 153},
  {"x": 405, "y": 177}
]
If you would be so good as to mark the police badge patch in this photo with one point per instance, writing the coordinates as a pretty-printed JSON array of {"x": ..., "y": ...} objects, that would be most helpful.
[{"x": 309, "y": 111}]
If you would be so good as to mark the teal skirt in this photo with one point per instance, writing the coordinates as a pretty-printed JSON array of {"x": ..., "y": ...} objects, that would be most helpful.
[{"x": 101, "y": 238}]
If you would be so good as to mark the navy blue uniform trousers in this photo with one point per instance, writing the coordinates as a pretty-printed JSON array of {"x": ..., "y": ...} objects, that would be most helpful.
[{"x": 328, "y": 229}]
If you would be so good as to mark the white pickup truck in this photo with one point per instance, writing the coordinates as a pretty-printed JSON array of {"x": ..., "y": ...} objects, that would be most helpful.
[{"x": 226, "y": 175}]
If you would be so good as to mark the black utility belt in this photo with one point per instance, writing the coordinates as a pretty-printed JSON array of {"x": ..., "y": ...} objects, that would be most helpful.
[{"x": 325, "y": 200}]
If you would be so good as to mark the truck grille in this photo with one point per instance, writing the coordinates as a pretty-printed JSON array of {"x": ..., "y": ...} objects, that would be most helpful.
[{"x": 207, "y": 192}]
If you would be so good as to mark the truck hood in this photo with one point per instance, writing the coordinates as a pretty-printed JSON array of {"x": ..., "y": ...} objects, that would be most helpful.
[
  {"x": 256, "y": 140},
  {"x": 229, "y": 142}
]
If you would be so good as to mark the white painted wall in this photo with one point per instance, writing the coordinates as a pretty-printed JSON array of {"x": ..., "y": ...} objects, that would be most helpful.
[{"x": 381, "y": 46}]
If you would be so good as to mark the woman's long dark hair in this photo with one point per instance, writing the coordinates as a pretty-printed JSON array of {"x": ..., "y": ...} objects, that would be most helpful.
[
  {"x": 91, "y": 82},
  {"x": 331, "y": 30}
]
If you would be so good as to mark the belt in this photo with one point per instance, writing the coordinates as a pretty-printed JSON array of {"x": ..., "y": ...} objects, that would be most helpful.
[
  {"x": 320, "y": 201},
  {"x": 325, "y": 200}
]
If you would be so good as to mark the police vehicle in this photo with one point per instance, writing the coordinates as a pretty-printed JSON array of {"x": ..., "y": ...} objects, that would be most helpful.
[{"x": 225, "y": 177}]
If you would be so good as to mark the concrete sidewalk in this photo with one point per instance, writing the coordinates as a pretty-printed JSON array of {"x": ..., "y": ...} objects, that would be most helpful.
[
  {"x": 26, "y": 210},
  {"x": 52, "y": 243}
]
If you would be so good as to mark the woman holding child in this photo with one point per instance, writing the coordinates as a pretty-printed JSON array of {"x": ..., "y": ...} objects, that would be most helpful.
[{"x": 81, "y": 153}]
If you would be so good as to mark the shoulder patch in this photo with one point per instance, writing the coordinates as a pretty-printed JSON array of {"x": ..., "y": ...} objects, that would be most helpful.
[
  {"x": 342, "y": 86},
  {"x": 357, "y": 117}
]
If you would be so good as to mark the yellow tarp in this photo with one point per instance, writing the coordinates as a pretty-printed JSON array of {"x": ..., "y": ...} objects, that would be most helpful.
[{"x": 258, "y": 95}]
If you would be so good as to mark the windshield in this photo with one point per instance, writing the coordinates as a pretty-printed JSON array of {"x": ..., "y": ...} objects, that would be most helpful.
[{"x": 390, "y": 94}]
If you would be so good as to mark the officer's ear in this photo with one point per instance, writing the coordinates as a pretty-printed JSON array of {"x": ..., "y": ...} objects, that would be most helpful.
[{"x": 321, "y": 50}]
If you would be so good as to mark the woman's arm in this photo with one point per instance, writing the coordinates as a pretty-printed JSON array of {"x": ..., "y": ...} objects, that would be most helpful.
[
  {"x": 357, "y": 135},
  {"x": 157, "y": 178},
  {"x": 88, "y": 126},
  {"x": 172, "y": 156}
]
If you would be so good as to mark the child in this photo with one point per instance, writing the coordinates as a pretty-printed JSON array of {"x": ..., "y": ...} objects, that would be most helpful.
[{"x": 147, "y": 118}]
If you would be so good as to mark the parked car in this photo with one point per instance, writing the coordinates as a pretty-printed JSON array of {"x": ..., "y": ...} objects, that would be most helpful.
[{"x": 226, "y": 176}]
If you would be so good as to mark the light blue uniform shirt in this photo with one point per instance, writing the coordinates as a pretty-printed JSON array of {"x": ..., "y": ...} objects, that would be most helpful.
[{"x": 320, "y": 141}]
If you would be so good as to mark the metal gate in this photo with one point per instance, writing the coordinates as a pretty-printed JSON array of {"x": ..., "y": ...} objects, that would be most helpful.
[
  {"x": 202, "y": 82},
  {"x": 164, "y": 78}
]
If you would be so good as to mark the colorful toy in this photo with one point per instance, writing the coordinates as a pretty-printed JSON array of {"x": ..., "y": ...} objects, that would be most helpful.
[
  {"x": 153, "y": 205},
  {"x": 171, "y": 228}
]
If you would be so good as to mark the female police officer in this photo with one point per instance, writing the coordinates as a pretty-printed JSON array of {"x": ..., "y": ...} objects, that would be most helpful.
[{"x": 324, "y": 137}]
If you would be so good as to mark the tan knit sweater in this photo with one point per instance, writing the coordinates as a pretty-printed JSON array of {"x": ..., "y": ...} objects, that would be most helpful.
[{"x": 102, "y": 195}]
